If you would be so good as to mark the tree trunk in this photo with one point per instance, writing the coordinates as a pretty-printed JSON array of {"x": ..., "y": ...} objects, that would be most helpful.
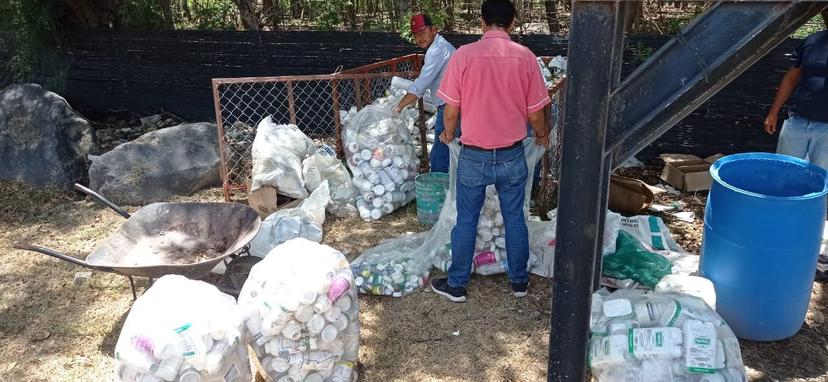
[
  {"x": 270, "y": 13},
  {"x": 449, "y": 24},
  {"x": 551, "y": 11},
  {"x": 167, "y": 14},
  {"x": 248, "y": 14},
  {"x": 633, "y": 14},
  {"x": 401, "y": 8},
  {"x": 90, "y": 14},
  {"x": 825, "y": 17},
  {"x": 350, "y": 14},
  {"x": 185, "y": 7},
  {"x": 295, "y": 8}
]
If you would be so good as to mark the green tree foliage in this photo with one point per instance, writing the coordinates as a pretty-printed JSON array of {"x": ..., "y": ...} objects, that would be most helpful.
[{"x": 28, "y": 33}]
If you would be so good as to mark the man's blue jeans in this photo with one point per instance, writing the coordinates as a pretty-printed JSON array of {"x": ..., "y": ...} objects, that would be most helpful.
[
  {"x": 439, "y": 156},
  {"x": 506, "y": 170},
  {"x": 804, "y": 139}
]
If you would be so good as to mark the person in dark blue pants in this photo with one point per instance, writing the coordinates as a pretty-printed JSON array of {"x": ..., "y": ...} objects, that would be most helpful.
[{"x": 438, "y": 158}]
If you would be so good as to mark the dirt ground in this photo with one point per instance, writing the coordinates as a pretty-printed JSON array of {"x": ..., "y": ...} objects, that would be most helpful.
[{"x": 53, "y": 330}]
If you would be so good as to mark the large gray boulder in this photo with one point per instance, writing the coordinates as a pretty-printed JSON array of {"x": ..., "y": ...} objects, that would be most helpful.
[
  {"x": 178, "y": 160},
  {"x": 43, "y": 141}
]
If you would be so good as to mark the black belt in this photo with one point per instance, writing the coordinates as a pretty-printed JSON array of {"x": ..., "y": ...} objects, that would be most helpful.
[{"x": 475, "y": 148}]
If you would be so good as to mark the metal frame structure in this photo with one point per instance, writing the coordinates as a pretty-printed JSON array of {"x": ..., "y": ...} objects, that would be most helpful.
[{"x": 609, "y": 121}]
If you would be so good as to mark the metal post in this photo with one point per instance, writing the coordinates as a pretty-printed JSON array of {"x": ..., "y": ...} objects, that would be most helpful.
[
  {"x": 291, "y": 102},
  {"x": 592, "y": 75},
  {"x": 340, "y": 151},
  {"x": 424, "y": 163},
  {"x": 225, "y": 181}
]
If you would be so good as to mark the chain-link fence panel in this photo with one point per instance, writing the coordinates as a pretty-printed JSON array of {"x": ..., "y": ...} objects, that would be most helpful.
[
  {"x": 547, "y": 192},
  {"x": 310, "y": 102}
]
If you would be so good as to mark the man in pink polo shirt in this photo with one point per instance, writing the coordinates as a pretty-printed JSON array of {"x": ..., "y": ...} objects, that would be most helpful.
[{"x": 497, "y": 86}]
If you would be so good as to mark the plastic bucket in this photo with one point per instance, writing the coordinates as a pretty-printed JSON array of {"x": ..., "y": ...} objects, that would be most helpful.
[
  {"x": 431, "y": 191},
  {"x": 762, "y": 232}
]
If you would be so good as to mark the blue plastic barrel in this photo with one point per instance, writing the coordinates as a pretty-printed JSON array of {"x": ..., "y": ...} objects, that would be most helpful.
[{"x": 762, "y": 231}]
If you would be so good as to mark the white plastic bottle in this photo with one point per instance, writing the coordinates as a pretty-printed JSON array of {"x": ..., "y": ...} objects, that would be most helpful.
[
  {"x": 168, "y": 368},
  {"x": 660, "y": 343},
  {"x": 619, "y": 307},
  {"x": 595, "y": 315},
  {"x": 493, "y": 268},
  {"x": 292, "y": 330},
  {"x": 316, "y": 360},
  {"x": 304, "y": 313},
  {"x": 661, "y": 313},
  {"x": 700, "y": 346},
  {"x": 329, "y": 333},
  {"x": 274, "y": 321},
  {"x": 728, "y": 352},
  {"x": 316, "y": 324},
  {"x": 692, "y": 285},
  {"x": 608, "y": 351}
]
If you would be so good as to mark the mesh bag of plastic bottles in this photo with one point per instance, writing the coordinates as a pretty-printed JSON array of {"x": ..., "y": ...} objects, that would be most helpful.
[
  {"x": 400, "y": 266},
  {"x": 182, "y": 330},
  {"x": 396, "y": 267},
  {"x": 301, "y": 313},
  {"x": 278, "y": 152},
  {"x": 490, "y": 246},
  {"x": 637, "y": 336},
  {"x": 382, "y": 157},
  {"x": 289, "y": 223}
]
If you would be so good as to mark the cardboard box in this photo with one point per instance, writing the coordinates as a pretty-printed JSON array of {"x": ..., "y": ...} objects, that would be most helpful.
[
  {"x": 688, "y": 172},
  {"x": 266, "y": 200}
]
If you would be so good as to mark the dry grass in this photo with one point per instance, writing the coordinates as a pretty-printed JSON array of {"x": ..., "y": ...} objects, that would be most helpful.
[{"x": 51, "y": 330}]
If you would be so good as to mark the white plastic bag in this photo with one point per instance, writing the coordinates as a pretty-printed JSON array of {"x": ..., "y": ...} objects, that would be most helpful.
[
  {"x": 649, "y": 230},
  {"x": 660, "y": 337},
  {"x": 181, "y": 329},
  {"x": 305, "y": 221},
  {"x": 382, "y": 157},
  {"x": 302, "y": 314},
  {"x": 278, "y": 152},
  {"x": 318, "y": 168},
  {"x": 545, "y": 235}
]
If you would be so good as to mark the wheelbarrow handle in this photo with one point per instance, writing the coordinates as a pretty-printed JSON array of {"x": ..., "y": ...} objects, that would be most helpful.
[
  {"x": 101, "y": 200},
  {"x": 58, "y": 255}
]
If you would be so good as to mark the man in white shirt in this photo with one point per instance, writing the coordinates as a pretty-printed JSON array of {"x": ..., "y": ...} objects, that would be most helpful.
[{"x": 439, "y": 50}]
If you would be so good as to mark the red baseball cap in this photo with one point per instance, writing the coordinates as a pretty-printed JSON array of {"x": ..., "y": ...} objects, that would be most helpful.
[{"x": 419, "y": 21}]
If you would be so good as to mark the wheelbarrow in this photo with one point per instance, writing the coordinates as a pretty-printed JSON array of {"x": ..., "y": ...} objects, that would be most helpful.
[{"x": 187, "y": 239}]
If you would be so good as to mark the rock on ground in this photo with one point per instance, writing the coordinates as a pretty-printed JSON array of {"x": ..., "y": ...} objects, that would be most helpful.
[
  {"x": 43, "y": 141},
  {"x": 178, "y": 160}
]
